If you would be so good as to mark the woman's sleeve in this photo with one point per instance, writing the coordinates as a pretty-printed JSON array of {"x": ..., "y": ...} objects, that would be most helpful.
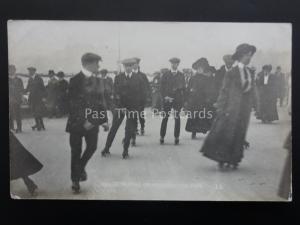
[{"x": 224, "y": 93}]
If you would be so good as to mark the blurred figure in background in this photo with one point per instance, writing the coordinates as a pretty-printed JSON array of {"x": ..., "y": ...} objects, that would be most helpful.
[
  {"x": 108, "y": 88},
  {"x": 52, "y": 94},
  {"x": 62, "y": 95},
  {"x": 220, "y": 74},
  {"x": 156, "y": 96},
  {"x": 268, "y": 93},
  {"x": 37, "y": 95},
  {"x": 281, "y": 85},
  {"x": 146, "y": 92},
  {"x": 16, "y": 91}
]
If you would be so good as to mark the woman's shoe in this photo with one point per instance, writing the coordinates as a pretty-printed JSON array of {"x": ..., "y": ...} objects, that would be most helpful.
[{"x": 34, "y": 127}]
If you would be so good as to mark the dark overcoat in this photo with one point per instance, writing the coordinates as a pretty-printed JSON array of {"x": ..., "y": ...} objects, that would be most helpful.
[
  {"x": 52, "y": 93},
  {"x": 62, "y": 95},
  {"x": 173, "y": 86},
  {"x": 268, "y": 94},
  {"x": 219, "y": 78},
  {"x": 37, "y": 92},
  {"x": 128, "y": 92},
  {"x": 85, "y": 94},
  {"x": 226, "y": 140},
  {"x": 200, "y": 103}
]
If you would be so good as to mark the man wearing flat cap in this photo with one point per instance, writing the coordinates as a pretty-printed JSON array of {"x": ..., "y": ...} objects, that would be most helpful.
[
  {"x": 108, "y": 88},
  {"x": 220, "y": 74},
  {"x": 37, "y": 94},
  {"x": 62, "y": 94},
  {"x": 172, "y": 89},
  {"x": 86, "y": 113},
  {"x": 127, "y": 91},
  {"x": 16, "y": 91},
  {"x": 226, "y": 141},
  {"x": 146, "y": 92},
  {"x": 268, "y": 93}
]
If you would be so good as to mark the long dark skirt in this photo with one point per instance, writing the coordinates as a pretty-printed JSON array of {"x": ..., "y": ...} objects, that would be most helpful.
[
  {"x": 285, "y": 182},
  {"x": 267, "y": 108},
  {"x": 226, "y": 140},
  {"x": 200, "y": 122},
  {"x": 22, "y": 162}
]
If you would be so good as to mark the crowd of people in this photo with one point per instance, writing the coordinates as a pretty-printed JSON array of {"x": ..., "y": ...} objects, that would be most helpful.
[{"x": 217, "y": 102}]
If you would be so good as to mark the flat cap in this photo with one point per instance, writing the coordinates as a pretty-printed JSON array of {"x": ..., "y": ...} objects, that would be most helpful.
[
  {"x": 51, "y": 72},
  {"x": 243, "y": 49},
  {"x": 128, "y": 62},
  {"x": 90, "y": 57},
  {"x": 137, "y": 60},
  {"x": 202, "y": 62},
  {"x": 31, "y": 68},
  {"x": 164, "y": 70},
  {"x": 228, "y": 59},
  {"x": 174, "y": 60}
]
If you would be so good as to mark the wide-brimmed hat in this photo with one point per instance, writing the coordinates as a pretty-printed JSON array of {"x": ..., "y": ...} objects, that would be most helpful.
[{"x": 243, "y": 49}]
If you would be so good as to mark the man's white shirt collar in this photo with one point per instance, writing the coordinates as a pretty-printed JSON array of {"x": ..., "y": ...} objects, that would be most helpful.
[
  {"x": 128, "y": 74},
  {"x": 174, "y": 71},
  {"x": 86, "y": 72},
  {"x": 135, "y": 71},
  {"x": 241, "y": 65}
]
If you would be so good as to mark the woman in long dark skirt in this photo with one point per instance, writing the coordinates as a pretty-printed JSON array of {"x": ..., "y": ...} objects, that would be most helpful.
[
  {"x": 22, "y": 163},
  {"x": 226, "y": 141},
  {"x": 200, "y": 95},
  {"x": 267, "y": 85}
]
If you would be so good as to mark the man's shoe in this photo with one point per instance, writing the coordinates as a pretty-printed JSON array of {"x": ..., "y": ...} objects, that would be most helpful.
[
  {"x": 105, "y": 153},
  {"x": 176, "y": 141},
  {"x": 83, "y": 176},
  {"x": 76, "y": 187},
  {"x": 125, "y": 155},
  {"x": 162, "y": 141},
  {"x": 133, "y": 143},
  {"x": 142, "y": 132}
]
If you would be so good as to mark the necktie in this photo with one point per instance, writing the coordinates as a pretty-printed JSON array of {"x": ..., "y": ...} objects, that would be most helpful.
[{"x": 246, "y": 84}]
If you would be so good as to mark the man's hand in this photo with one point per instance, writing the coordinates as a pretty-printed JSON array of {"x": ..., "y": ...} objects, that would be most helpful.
[{"x": 87, "y": 125}]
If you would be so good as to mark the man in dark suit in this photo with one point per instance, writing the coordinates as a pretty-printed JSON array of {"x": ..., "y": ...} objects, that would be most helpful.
[
  {"x": 172, "y": 89},
  {"x": 127, "y": 90},
  {"x": 37, "y": 95},
  {"x": 146, "y": 90},
  {"x": 87, "y": 113},
  {"x": 16, "y": 91},
  {"x": 220, "y": 74},
  {"x": 108, "y": 88}
]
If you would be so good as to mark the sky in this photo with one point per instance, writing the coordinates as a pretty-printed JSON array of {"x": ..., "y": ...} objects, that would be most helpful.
[{"x": 59, "y": 45}]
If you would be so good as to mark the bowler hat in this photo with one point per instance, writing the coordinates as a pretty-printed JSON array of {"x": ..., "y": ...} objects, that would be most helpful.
[
  {"x": 243, "y": 49},
  {"x": 31, "y": 68},
  {"x": 60, "y": 74},
  {"x": 103, "y": 71},
  {"x": 164, "y": 70}
]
